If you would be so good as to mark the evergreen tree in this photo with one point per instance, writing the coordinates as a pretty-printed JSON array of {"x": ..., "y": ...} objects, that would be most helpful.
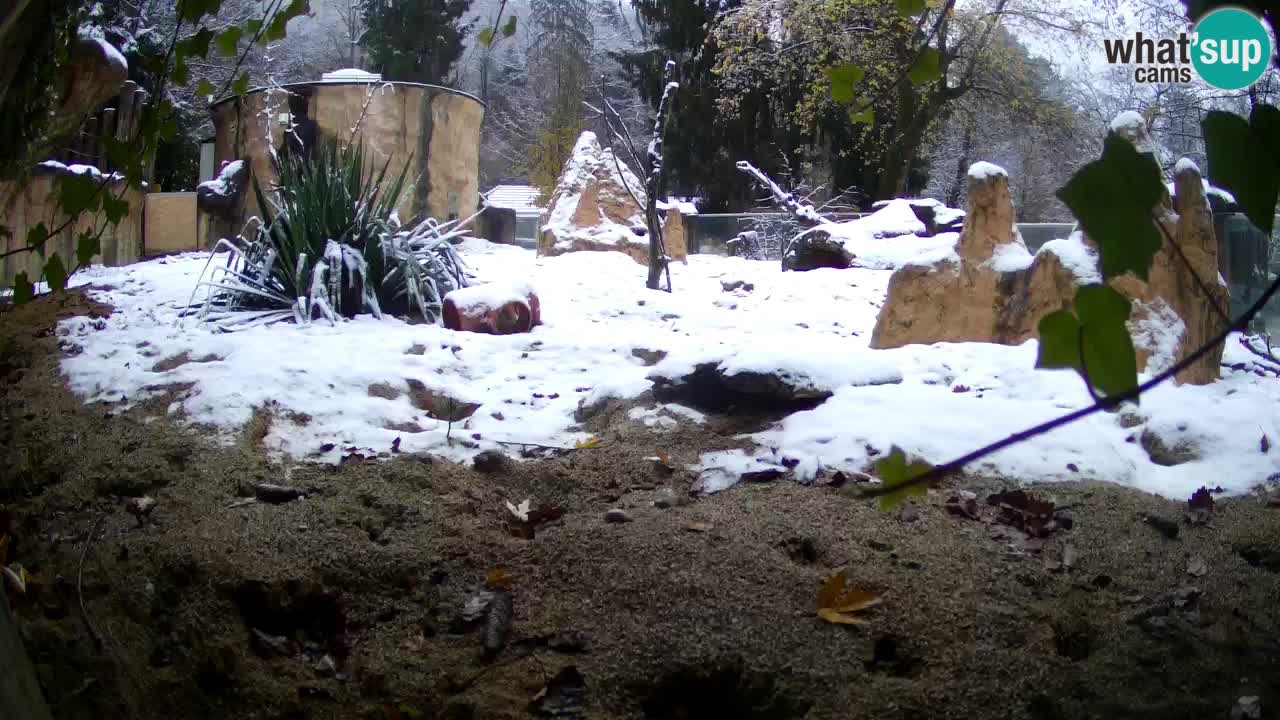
[
  {"x": 415, "y": 40},
  {"x": 703, "y": 143}
]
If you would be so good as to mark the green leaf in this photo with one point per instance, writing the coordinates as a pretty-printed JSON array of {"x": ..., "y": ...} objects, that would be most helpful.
[
  {"x": 510, "y": 28},
  {"x": 114, "y": 208},
  {"x": 87, "y": 245},
  {"x": 1094, "y": 342},
  {"x": 843, "y": 78},
  {"x": 1108, "y": 348},
  {"x": 1113, "y": 198},
  {"x": 79, "y": 193},
  {"x": 485, "y": 37},
  {"x": 927, "y": 67},
  {"x": 1244, "y": 158},
  {"x": 179, "y": 74},
  {"x": 864, "y": 117},
  {"x": 198, "y": 45},
  {"x": 55, "y": 273},
  {"x": 241, "y": 85},
  {"x": 907, "y": 8},
  {"x": 895, "y": 470},
  {"x": 228, "y": 41},
  {"x": 204, "y": 88},
  {"x": 23, "y": 290},
  {"x": 36, "y": 238},
  {"x": 252, "y": 26},
  {"x": 191, "y": 10},
  {"x": 276, "y": 29},
  {"x": 1059, "y": 341}
]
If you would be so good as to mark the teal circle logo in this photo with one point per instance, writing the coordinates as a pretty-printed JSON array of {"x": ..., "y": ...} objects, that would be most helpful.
[{"x": 1231, "y": 49}]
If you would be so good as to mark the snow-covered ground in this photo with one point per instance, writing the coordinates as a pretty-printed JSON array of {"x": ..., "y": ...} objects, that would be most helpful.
[{"x": 816, "y": 325}]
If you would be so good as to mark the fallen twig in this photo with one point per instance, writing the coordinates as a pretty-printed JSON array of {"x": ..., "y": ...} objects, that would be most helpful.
[{"x": 84, "y": 611}]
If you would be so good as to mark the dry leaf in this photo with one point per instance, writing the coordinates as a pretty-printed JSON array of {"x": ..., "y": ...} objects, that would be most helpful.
[
  {"x": 16, "y": 579},
  {"x": 835, "y": 600},
  {"x": 498, "y": 579},
  {"x": 699, "y": 527},
  {"x": 587, "y": 444}
]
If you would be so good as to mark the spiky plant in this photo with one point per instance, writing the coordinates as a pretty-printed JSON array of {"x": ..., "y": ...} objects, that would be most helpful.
[{"x": 330, "y": 244}]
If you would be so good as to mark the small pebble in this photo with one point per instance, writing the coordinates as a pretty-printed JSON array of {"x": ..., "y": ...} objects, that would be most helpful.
[{"x": 617, "y": 515}]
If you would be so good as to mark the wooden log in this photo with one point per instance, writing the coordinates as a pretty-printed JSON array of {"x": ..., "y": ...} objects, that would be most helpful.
[
  {"x": 125, "y": 104},
  {"x": 20, "y": 695},
  {"x": 106, "y": 130}
]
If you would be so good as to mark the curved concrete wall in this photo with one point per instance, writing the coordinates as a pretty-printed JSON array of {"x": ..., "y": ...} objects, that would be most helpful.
[{"x": 436, "y": 130}]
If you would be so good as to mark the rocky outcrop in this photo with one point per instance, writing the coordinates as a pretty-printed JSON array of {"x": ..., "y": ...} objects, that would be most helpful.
[
  {"x": 992, "y": 290},
  {"x": 597, "y": 205}
]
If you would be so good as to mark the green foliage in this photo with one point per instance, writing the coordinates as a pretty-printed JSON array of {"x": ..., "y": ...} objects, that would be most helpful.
[
  {"x": 417, "y": 40},
  {"x": 1094, "y": 341},
  {"x": 1244, "y": 158},
  {"x": 485, "y": 37},
  {"x": 87, "y": 245},
  {"x": 55, "y": 273},
  {"x": 843, "y": 79},
  {"x": 23, "y": 289},
  {"x": 36, "y": 238},
  {"x": 228, "y": 41},
  {"x": 79, "y": 193},
  {"x": 907, "y": 8},
  {"x": 509, "y": 28},
  {"x": 895, "y": 470},
  {"x": 927, "y": 68},
  {"x": 1113, "y": 198}
]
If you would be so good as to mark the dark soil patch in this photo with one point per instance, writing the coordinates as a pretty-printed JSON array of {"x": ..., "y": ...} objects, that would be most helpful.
[{"x": 349, "y": 603}]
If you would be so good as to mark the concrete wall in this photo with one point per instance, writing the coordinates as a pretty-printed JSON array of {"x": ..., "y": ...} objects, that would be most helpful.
[
  {"x": 435, "y": 131},
  {"x": 171, "y": 224},
  {"x": 25, "y": 207}
]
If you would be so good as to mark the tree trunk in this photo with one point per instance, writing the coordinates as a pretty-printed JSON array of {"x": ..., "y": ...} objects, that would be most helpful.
[
  {"x": 962, "y": 165},
  {"x": 20, "y": 696}
]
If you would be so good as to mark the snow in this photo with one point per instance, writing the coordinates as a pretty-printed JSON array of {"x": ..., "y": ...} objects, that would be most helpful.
[
  {"x": 489, "y": 296},
  {"x": 585, "y": 162},
  {"x": 221, "y": 185},
  {"x": 77, "y": 169},
  {"x": 1077, "y": 256},
  {"x": 1010, "y": 257},
  {"x": 1156, "y": 327},
  {"x": 983, "y": 170},
  {"x": 888, "y": 238},
  {"x": 1128, "y": 120},
  {"x": 812, "y": 328},
  {"x": 686, "y": 207}
]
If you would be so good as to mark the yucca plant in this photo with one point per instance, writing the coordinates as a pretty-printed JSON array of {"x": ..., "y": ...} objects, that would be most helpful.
[{"x": 329, "y": 243}]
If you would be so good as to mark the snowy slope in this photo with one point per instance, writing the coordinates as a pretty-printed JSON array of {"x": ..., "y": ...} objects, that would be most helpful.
[{"x": 815, "y": 325}]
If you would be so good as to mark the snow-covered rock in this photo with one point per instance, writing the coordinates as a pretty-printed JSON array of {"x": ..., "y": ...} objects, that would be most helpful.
[
  {"x": 597, "y": 205},
  {"x": 888, "y": 238}
]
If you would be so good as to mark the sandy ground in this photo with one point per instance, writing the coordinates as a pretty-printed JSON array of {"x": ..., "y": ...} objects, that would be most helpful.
[{"x": 350, "y": 603}]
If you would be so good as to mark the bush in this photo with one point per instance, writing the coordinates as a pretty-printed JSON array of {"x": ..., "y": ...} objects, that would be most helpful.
[{"x": 330, "y": 244}]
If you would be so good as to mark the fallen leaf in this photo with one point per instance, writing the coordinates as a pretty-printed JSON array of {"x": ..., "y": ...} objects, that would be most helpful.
[
  {"x": 836, "y": 600},
  {"x": 562, "y": 696},
  {"x": 1201, "y": 499},
  {"x": 16, "y": 579},
  {"x": 498, "y": 579},
  {"x": 521, "y": 511},
  {"x": 587, "y": 444},
  {"x": 700, "y": 527},
  {"x": 477, "y": 605}
]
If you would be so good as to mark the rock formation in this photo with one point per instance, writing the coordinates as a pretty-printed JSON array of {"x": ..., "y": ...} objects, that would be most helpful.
[
  {"x": 990, "y": 289},
  {"x": 597, "y": 205}
]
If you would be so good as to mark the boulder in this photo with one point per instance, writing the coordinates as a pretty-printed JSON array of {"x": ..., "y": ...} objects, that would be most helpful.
[
  {"x": 492, "y": 308},
  {"x": 990, "y": 289},
  {"x": 937, "y": 217},
  {"x": 597, "y": 205}
]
